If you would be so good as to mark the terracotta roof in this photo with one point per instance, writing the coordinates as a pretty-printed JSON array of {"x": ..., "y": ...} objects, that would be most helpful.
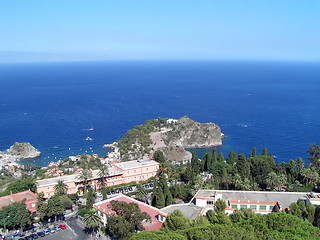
[
  {"x": 153, "y": 212},
  {"x": 18, "y": 197}
]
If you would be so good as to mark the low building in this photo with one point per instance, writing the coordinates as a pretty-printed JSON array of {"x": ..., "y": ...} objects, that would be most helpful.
[
  {"x": 191, "y": 211},
  {"x": 118, "y": 173},
  {"x": 30, "y": 197},
  {"x": 137, "y": 170},
  {"x": 157, "y": 216},
  {"x": 262, "y": 202},
  {"x": 313, "y": 198}
]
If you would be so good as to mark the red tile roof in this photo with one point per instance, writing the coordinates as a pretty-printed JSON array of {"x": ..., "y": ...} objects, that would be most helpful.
[
  {"x": 155, "y": 224},
  {"x": 31, "y": 199}
]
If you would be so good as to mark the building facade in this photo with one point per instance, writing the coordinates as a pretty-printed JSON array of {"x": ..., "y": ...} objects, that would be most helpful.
[
  {"x": 118, "y": 173},
  {"x": 262, "y": 202}
]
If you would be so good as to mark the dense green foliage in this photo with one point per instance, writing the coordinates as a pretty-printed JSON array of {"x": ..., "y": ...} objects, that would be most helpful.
[
  {"x": 23, "y": 184},
  {"x": 128, "y": 218},
  {"x": 138, "y": 137},
  {"x": 249, "y": 226},
  {"x": 15, "y": 215}
]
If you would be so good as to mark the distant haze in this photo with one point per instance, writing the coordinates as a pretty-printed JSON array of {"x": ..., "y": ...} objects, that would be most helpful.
[{"x": 33, "y": 31}]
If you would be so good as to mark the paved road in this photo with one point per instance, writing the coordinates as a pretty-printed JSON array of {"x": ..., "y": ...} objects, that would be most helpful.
[{"x": 77, "y": 228}]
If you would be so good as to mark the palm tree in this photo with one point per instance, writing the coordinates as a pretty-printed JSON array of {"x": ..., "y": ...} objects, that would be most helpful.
[
  {"x": 103, "y": 173},
  {"x": 309, "y": 175},
  {"x": 300, "y": 164},
  {"x": 61, "y": 188},
  {"x": 85, "y": 175},
  {"x": 282, "y": 180},
  {"x": 92, "y": 220},
  {"x": 272, "y": 180}
]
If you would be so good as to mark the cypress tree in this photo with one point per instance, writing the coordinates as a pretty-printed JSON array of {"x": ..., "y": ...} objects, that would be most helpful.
[
  {"x": 220, "y": 157},
  {"x": 232, "y": 158},
  {"x": 254, "y": 152},
  {"x": 264, "y": 151}
]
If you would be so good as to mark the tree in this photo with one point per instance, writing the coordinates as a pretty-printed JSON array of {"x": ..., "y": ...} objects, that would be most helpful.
[
  {"x": 128, "y": 218},
  {"x": 176, "y": 221},
  {"x": 159, "y": 157},
  {"x": 85, "y": 175},
  {"x": 254, "y": 152},
  {"x": 158, "y": 199},
  {"x": 272, "y": 180},
  {"x": 314, "y": 152},
  {"x": 54, "y": 207},
  {"x": 91, "y": 220},
  {"x": 141, "y": 193},
  {"x": 232, "y": 158},
  {"x": 264, "y": 151},
  {"x": 23, "y": 215},
  {"x": 61, "y": 188},
  {"x": 220, "y": 206},
  {"x": 103, "y": 173},
  {"x": 217, "y": 217},
  {"x": 300, "y": 164},
  {"x": 90, "y": 198}
]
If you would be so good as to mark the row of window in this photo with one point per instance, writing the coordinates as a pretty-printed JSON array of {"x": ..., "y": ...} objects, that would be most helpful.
[
  {"x": 253, "y": 207},
  {"x": 135, "y": 171}
]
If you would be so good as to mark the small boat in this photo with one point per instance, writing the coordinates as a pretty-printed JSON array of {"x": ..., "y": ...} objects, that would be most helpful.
[{"x": 89, "y": 139}]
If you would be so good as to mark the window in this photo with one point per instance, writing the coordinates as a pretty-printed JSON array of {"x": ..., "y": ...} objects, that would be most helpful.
[
  {"x": 209, "y": 202},
  {"x": 243, "y": 206},
  {"x": 134, "y": 171},
  {"x": 135, "y": 178},
  {"x": 128, "y": 172},
  {"x": 253, "y": 207},
  {"x": 263, "y": 207},
  {"x": 234, "y": 206},
  {"x": 48, "y": 188},
  {"x": 33, "y": 205},
  {"x": 147, "y": 169}
]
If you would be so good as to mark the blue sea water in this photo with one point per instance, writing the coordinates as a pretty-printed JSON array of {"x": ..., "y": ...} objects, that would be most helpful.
[{"x": 51, "y": 105}]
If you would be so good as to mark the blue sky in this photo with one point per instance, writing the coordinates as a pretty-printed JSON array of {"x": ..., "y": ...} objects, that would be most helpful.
[{"x": 153, "y": 29}]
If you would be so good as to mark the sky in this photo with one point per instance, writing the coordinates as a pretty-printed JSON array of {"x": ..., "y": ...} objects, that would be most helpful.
[{"x": 63, "y": 30}]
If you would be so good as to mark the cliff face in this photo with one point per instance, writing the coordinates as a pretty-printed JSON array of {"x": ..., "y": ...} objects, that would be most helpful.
[
  {"x": 173, "y": 137},
  {"x": 24, "y": 150}
]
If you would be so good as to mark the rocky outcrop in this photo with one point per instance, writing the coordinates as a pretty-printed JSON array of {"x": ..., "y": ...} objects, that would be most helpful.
[
  {"x": 173, "y": 137},
  {"x": 24, "y": 150}
]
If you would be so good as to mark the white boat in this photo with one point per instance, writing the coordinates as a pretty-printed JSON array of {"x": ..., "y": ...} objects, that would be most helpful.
[{"x": 89, "y": 139}]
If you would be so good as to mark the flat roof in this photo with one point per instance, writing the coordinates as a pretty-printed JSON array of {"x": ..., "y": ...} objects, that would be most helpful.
[
  {"x": 75, "y": 177},
  {"x": 135, "y": 164},
  {"x": 189, "y": 210},
  {"x": 284, "y": 198}
]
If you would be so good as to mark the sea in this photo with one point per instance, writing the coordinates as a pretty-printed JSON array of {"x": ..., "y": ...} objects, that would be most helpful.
[{"x": 57, "y": 106}]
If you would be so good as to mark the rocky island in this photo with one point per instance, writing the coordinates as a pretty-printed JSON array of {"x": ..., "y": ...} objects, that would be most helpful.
[
  {"x": 171, "y": 136},
  {"x": 23, "y": 150}
]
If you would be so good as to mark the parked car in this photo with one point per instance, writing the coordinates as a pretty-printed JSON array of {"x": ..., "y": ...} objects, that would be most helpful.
[
  {"x": 34, "y": 236},
  {"x": 147, "y": 185},
  {"x": 109, "y": 193},
  {"x": 46, "y": 232},
  {"x": 28, "y": 238},
  {"x": 52, "y": 230},
  {"x": 40, "y": 234},
  {"x": 112, "y": 192},
  {"x": 130, "y": 189},
  {"x": 99, "y": 195},
  {"x": 57, "y": 228},
  {"x": 151, "y": 184},
  {"x": 62, "y": 226}
]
